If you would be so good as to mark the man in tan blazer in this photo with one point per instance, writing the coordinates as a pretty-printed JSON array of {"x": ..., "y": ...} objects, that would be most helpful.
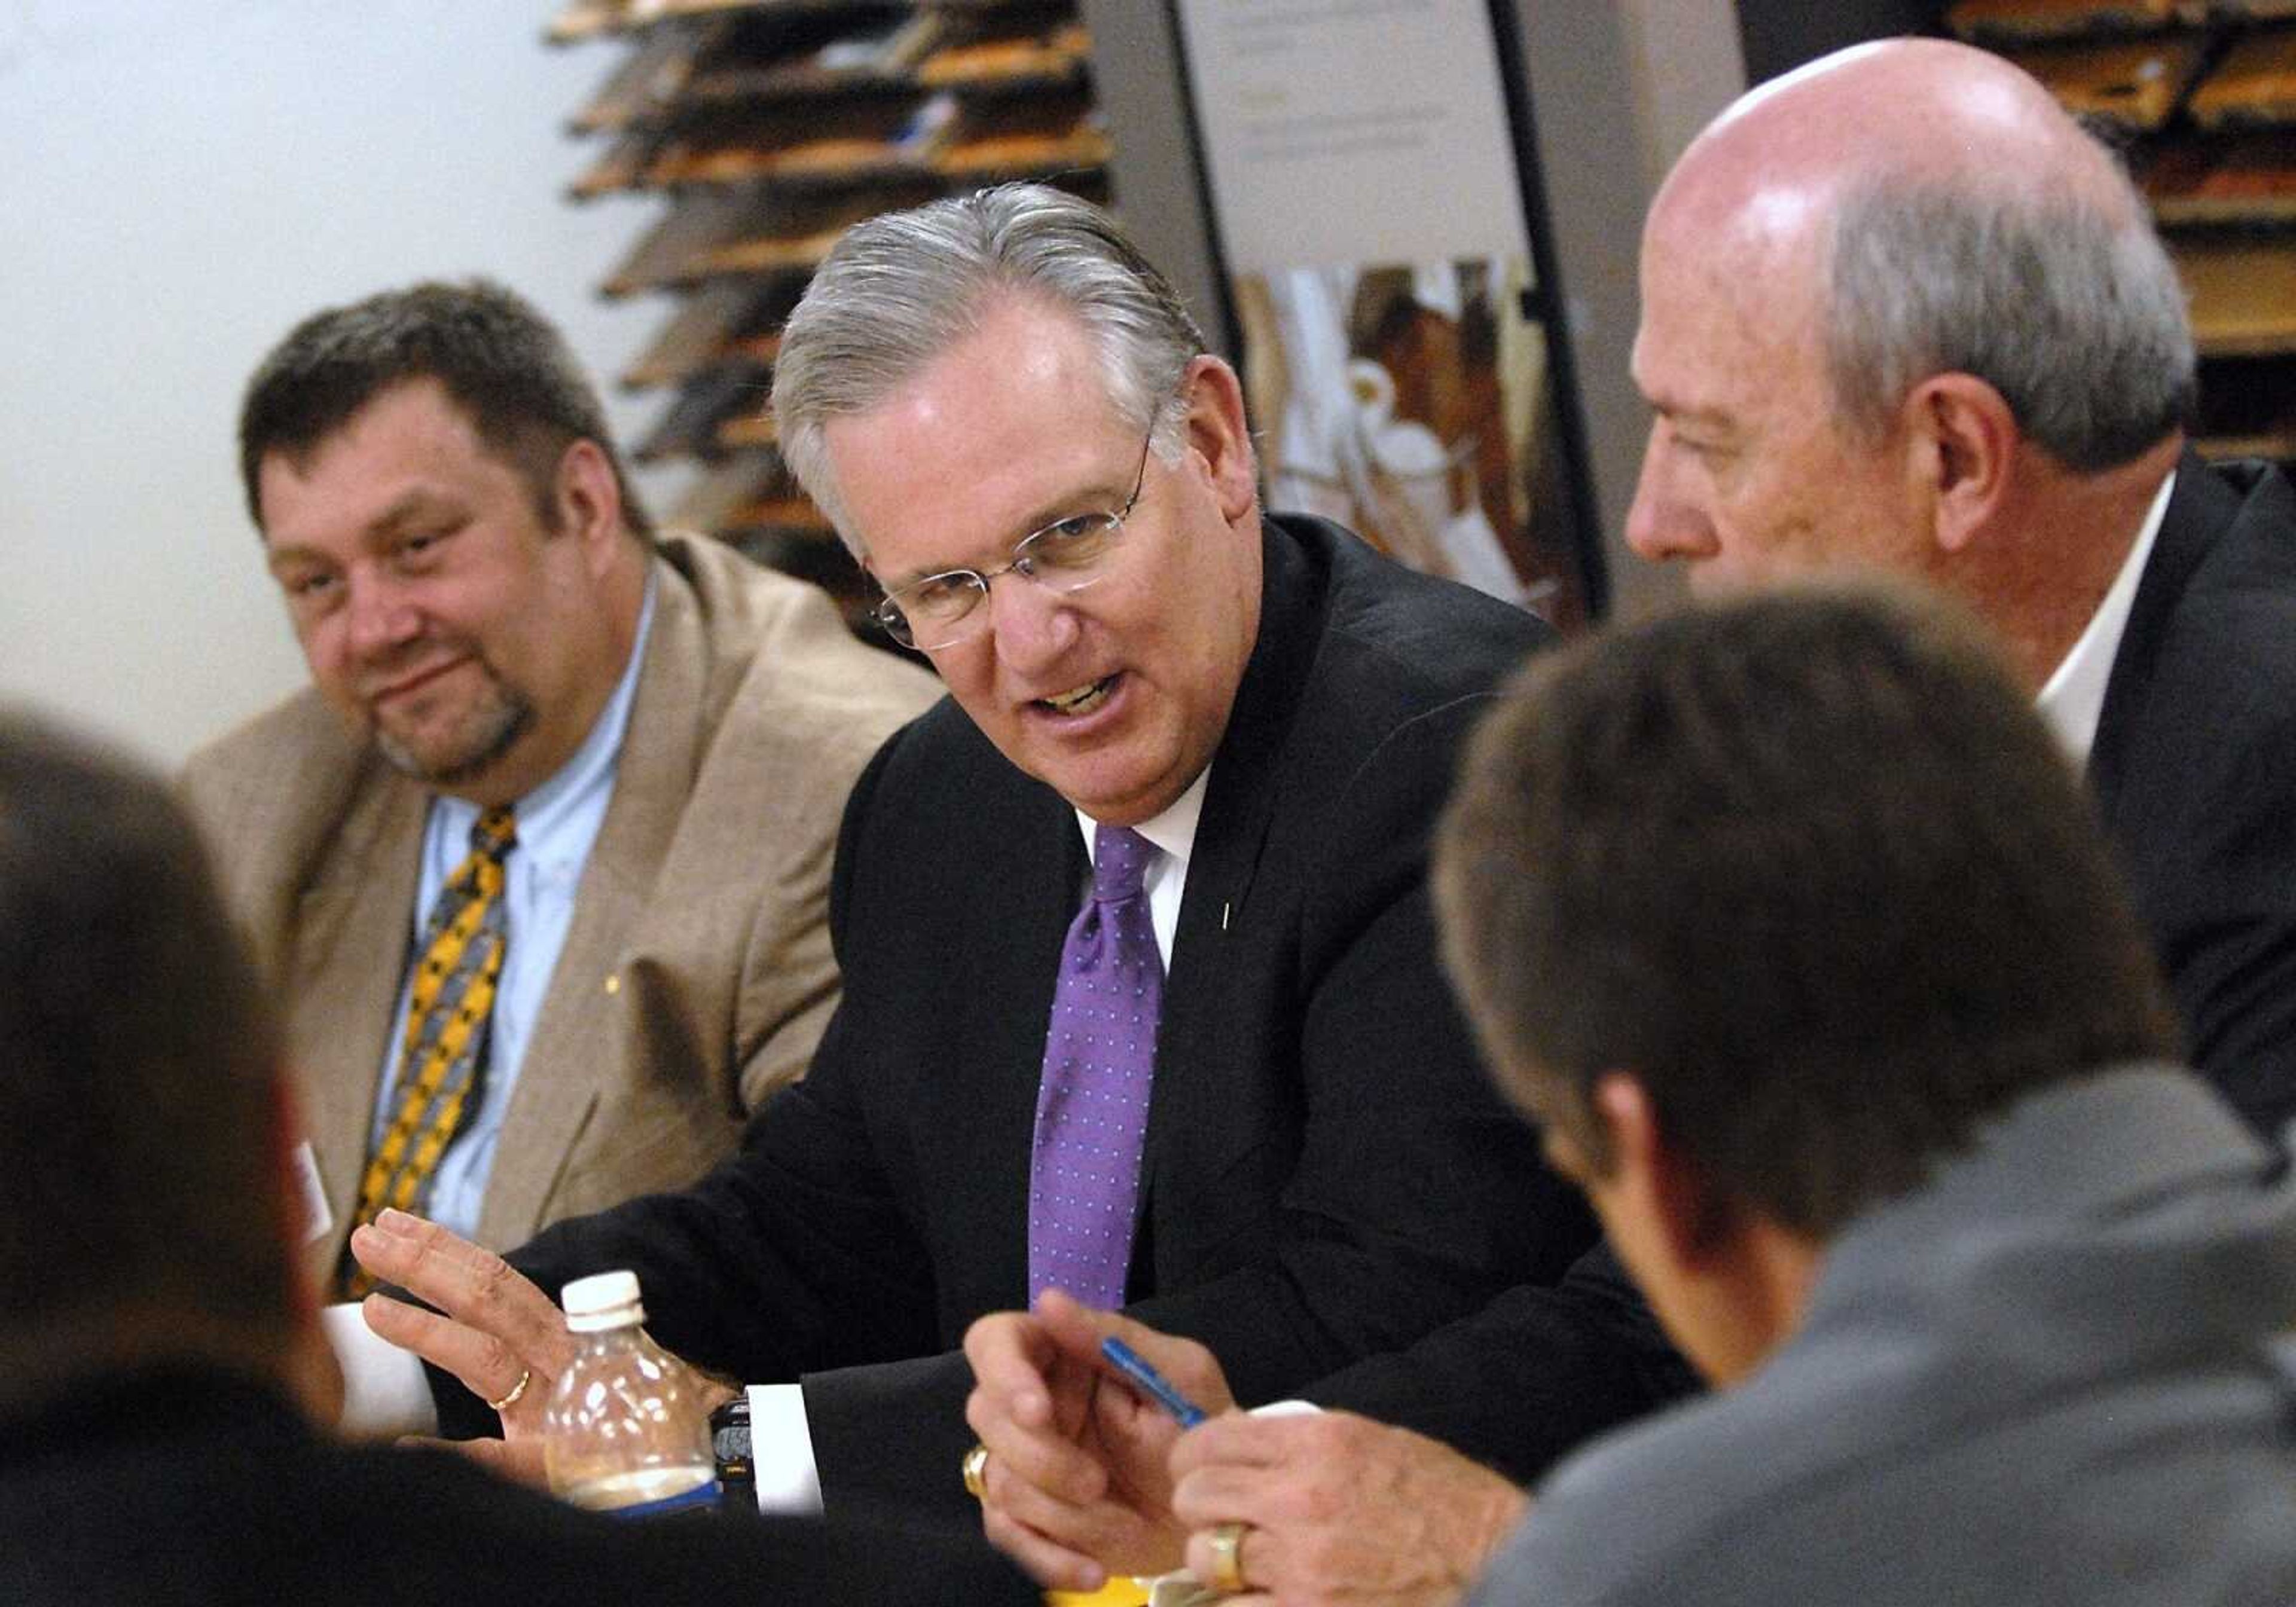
[{"x": 490, "y": 622}]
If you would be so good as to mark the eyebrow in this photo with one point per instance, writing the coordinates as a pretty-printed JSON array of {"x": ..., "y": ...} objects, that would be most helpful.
[
  {"x": 1670, "y": 407},
  {"x": 1681, "y": 413},
  {"x": 409, "y": 508}
]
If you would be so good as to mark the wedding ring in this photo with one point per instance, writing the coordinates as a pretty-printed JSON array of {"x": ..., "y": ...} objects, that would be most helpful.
[
  {"x": 975, "y": 1466},
  {"x": 525, "y": 1377},
  {"x": 1227, "y": 1559}
]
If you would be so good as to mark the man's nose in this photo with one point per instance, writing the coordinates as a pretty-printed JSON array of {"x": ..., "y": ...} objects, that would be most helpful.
[
  {"x": 1664, "y": 522},
  {"x": 379, "y": 614},
  {"x": 1033, "y": 624}
]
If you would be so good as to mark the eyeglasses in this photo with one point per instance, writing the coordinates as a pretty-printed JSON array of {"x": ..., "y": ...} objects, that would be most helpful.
[{"x": 1065, "y": 556}]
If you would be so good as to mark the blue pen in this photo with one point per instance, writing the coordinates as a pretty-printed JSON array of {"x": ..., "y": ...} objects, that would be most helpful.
[{"x": 1152, "y": 1383}]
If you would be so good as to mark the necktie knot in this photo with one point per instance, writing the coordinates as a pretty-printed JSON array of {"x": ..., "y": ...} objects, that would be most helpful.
[
  {"x": 495, "y": 834},
  {"x": 1119, "y": 861}
]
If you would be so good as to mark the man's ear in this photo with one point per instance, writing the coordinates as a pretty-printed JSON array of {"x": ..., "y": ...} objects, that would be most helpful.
[
  {"x": 1656, "y": 1178},
  {"x": 1216, "y": 433},
  {"x": 1963, "y": 437},
  {"x": 589, "y": 501}
]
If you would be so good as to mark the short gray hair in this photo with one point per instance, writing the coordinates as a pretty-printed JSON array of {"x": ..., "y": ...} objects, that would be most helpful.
[
  {"x": 2074, "y": 314},
  {"x": 900, "y": 290}
]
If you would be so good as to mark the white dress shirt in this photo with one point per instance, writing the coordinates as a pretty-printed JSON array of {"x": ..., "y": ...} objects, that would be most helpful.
[{"x": 2072, "y": 700}]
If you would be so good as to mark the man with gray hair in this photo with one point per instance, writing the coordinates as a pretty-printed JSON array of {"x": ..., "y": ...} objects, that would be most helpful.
[
  {"x": 1899, "y": 312},
  {"x": 1140, "y": 993}
]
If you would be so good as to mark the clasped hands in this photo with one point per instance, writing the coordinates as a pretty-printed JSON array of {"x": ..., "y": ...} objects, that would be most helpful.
[
  {"x": 493, "y": 1329},
  {"x": 1084, "y": 1479}
]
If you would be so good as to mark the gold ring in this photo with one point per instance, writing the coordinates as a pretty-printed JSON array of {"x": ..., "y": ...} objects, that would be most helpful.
[
  {"x": 1227, "y": 1559},
  {"x": 975, "y": 1467},
  {"x": 525, "y": 1377}
]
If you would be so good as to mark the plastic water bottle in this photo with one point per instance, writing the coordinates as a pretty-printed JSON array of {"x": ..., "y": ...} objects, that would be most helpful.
[{"x": 628, "y": 1428}]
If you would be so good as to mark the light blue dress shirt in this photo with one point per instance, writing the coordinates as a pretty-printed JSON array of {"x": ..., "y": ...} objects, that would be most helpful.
[{"x": 557, "y": 824}]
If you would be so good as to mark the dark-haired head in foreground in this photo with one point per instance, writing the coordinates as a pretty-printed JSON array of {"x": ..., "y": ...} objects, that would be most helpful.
[
  {"x": 153, "y": 1330},
  {"x": 1790, "y": 921},
  {"x": 143, "y": 1201},
  {"x": 1803, "y": 882}
]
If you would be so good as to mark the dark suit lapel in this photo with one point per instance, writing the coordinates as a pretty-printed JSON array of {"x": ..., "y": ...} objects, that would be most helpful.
[
  {"x": 575, "y": 1049},
  {"x": 1216, "y": 912},
  {"x": 2199, "y": 510},
  {"x": 1246, "y": 771}
]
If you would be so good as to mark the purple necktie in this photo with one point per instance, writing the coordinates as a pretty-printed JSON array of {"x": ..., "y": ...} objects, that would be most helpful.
[{"x": 1091, "y": 1103}]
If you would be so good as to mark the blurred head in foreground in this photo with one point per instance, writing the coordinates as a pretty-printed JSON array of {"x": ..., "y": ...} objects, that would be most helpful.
[
  {"x": 1763, "y": 909},
  {"x": 144, "y": 1212}
]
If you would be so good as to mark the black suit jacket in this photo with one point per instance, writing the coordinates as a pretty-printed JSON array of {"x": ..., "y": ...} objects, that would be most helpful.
[
  {"x": 1327, "y": 1174},
  {"x": 190, "y": 1487},
  {"x": 2195, "y": 768}
]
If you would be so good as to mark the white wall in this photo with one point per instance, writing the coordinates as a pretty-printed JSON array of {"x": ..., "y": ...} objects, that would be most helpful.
[{"x": 181, "y": 183}]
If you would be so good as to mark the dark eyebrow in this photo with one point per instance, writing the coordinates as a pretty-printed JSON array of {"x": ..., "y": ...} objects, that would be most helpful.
[{"x": 410, "y": 508}]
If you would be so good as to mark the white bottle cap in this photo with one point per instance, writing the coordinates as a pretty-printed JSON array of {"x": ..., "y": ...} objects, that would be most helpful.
[{"x": 607, "y": 1299}]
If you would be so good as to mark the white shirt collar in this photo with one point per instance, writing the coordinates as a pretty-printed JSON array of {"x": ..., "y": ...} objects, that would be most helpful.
[
  {"x": 2074, "y": 700},
  {"x": 1174, "y": 831}
]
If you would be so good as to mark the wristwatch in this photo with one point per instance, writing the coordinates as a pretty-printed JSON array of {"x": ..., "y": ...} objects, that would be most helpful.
[{"x": 729, "y": 1444}]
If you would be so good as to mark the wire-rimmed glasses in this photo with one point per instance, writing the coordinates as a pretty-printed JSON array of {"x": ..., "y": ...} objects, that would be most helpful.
[{"x": 1067, "y": 555}]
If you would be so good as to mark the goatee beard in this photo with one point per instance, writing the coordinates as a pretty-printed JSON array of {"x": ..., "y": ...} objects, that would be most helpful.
[{"x": 511, "y": 717}]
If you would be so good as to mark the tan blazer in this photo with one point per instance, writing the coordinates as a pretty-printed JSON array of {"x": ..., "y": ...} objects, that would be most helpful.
[{"x": 696, "y": 976}]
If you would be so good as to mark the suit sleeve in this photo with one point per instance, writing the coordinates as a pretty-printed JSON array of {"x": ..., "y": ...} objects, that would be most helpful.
[
  {"x": 2221, "y": 897},
  {"x": 2203, "y": 805},
  {"x": 1531, "y": 1377}
]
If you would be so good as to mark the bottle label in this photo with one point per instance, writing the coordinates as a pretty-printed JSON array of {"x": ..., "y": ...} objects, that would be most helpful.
[{"x": 702, "y": 1494}]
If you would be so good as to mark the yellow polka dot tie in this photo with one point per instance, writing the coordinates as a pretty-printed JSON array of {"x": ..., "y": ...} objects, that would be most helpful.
[{"x": 444, "y": 1044}]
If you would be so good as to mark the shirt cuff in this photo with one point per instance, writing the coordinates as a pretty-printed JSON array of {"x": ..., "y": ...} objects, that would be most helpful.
[
  {"x": 781, "y": 1450},
  {"x": 386, "y": 1393}
]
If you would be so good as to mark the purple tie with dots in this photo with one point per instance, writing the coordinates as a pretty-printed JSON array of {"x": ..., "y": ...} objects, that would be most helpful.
[{"x": 1091, "y": 1103}]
